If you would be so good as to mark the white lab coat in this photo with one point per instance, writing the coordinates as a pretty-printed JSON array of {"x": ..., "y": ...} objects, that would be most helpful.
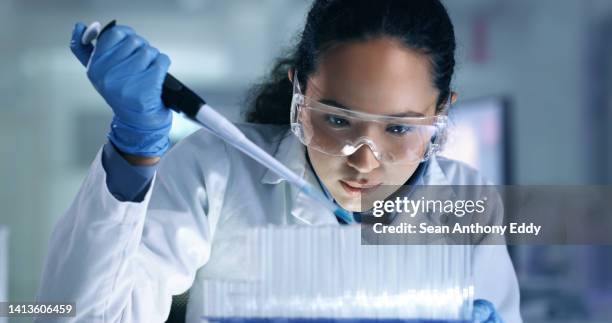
[{"x": 123, "y": 261}]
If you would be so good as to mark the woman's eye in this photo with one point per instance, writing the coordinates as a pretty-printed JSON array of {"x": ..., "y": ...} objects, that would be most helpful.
[
  {"x": 399, "y": 129},
  {"x": 337, "y": 121}
]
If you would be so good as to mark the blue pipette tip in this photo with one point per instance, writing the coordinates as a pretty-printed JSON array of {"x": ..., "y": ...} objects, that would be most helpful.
[{"x": 345, "y": 215}]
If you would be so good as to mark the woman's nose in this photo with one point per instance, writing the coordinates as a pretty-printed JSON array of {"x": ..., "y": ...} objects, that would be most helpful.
[{"x": 363, "y": 160}]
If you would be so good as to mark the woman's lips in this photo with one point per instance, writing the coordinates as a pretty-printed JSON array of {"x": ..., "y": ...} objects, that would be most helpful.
[{"x": 356, "y": 189}]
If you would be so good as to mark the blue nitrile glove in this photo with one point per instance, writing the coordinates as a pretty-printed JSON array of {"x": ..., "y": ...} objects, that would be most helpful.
[
  {"x": 129, "y": 74},
  {"x": 484, "y": 312}
]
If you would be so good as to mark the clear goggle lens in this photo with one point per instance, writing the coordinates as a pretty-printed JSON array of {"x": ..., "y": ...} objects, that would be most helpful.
[{"x": 341, "y": 132}]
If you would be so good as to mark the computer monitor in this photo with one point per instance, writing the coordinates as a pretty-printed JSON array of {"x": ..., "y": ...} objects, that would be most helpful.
[{"x": 478, "y": 135}]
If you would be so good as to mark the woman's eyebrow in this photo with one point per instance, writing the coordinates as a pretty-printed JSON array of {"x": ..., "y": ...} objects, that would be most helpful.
[{"x": 398, "y": 115}]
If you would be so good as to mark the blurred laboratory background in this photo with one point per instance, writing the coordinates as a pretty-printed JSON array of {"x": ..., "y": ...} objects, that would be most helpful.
[{"x": 535, "y": 107}]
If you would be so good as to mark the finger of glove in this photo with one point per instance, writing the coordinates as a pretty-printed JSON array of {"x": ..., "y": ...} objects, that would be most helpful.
[
  {"x": 151, "y": 79},
  {"x": 141, "y": 95},
  {"x": 127, "y": 47},
  {"x": 484, "y": 312},
  {"x": 109, "y": 39},
  {"x": 126, "y": 82},
  {"x": 135, "y": 64},
  {"x": 156, "y": 74},
  {"x": 80, "y": 51},
  {"x": 146, "y": 87},
  {"x": 128, "y": 59},
  {"x": 158, "y": 69}
]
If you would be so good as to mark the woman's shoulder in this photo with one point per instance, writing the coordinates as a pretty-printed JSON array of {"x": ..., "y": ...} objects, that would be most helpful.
[
  {"x": 202, "y": 144},
  {"x": 264, "y": 135},
  {"x": 457, "y": 172}
]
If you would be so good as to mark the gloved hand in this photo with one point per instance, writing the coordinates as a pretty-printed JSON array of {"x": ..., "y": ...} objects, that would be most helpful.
[
  {"x": 129, "y": 74},
  {"x": 484, "y": 312}
]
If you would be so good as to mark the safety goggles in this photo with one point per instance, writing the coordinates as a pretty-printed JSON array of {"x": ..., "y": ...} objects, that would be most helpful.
[{"x": 341, "y": 132}]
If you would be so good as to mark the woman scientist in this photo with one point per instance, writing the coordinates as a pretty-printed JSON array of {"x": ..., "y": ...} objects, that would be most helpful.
[{"x": 140, "y": 231}]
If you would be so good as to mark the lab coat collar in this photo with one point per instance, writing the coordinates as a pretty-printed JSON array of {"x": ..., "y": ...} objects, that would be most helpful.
[
  {"x": 292, "y": 154},
  {"x": 434, "y": 175}
]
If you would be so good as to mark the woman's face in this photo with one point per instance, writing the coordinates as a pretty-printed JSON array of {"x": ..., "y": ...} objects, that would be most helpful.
[{"x": 378, "y": 76}]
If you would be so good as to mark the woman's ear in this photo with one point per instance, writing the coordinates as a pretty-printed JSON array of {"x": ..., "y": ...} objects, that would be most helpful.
[
  {"x": 447, "y": 105},
  {"x": 290, "y": 74},
  {"x": 454, "y": 96}
]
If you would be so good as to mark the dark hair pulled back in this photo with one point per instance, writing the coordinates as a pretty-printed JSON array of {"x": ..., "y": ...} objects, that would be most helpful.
[{"x": 421, "y": 25}]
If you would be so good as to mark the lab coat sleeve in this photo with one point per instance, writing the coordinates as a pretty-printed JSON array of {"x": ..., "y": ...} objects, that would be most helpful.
[
  {"x": 495, "y": 281},
  {"x": 123, "y": 261},
  {"x": 494, "y": 276}
]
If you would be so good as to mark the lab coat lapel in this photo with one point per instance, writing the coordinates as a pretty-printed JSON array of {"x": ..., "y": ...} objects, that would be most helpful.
[
  {"x": 434, "y": 174},
  {"x": 291, "y": 153}
]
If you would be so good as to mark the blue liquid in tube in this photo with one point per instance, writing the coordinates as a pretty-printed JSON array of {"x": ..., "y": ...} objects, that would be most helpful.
[{"x": 324, "y": 320}]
